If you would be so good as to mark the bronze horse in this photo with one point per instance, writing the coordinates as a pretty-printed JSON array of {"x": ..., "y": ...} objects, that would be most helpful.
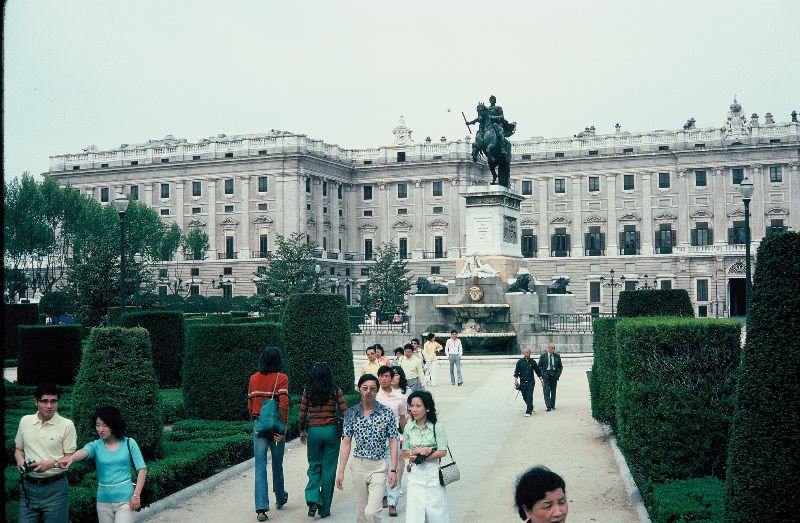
[{"x": 489, "y": 143}]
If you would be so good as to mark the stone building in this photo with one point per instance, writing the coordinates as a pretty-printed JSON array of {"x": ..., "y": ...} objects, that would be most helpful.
[{"x": 660, "y": 207}]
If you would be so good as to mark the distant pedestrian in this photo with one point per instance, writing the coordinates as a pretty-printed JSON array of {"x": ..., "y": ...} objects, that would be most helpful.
[
  {"x": 453, "y": 349},
  {"x": 525, "y": 373},
  {"x": 412, "y": 366},
  {"x": 265, "y": 385},
  {"x": 395, "y": 400},
  {"x": 372, "y": 425},
  {"x": 380, "y": 355},
  {"x": 372, "y": 365},
  {"x": 431, "y": 348},
  {"x": 550, "y": 363},
  {"x": 424, "y": 444},
  {"x": 324, "y": 402},
  {"x": 398, "y": 355},
  {"x": 415, "y": 348},
  {"x": 113, "y": 454},
  {"x": 540, "y": 496}
]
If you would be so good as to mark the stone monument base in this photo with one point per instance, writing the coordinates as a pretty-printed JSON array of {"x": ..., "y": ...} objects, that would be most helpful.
[{"x": 506, "y": 266}]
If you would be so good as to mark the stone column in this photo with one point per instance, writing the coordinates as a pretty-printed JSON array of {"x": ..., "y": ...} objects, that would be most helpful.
[
  {"x": 351, "y": 245},
  {"x": 333, "y": 212},
  {"x": 382, "y": 234},
  {"x": 244, "y": 241},
  {"x": 543, "y": 240},
  {"x": 577, "y": 223},
  {"x": 760, "y": 177},
  {"x": 457, "y": 236},
  {"x": 418, "y": 237},
  {"x": 791, "y": 181},
  {"x": 179, "y": 209},
  {"x": 212, "y": 218},
  {"x": 148, "y": 194},
  {"x": 647, "y": 215},
  {"x": 720, "y": 219},
  {"x": 684, "y": 224},
  {"x": 612, "y": 229},
  {"x": 319, "y": 216}
]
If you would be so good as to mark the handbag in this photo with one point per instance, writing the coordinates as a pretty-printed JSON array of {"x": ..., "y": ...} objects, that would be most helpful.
[
  {"x": 269, "y": 420},
  {"x": 447, "y": 473}
]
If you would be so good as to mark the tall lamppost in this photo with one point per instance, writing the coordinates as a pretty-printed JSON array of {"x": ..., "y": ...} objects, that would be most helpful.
[
  {"x": 611, "y": 284},
  {"x": 746, "y": 189},
  {"x": 121, "y": 204}
]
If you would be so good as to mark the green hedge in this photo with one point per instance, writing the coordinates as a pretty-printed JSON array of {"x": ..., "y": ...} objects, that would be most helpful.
[
  {"x": 166, "y": 338},
  {"x": 603, "y": 385},
  {"x": 114, "y": 317},
  {"x": 117, "y": 369},
  {"x": 763, "y": 476},
  {"x": 218, "y": 364},
  {"x": 317, "y": 329},
  {"x": 14, "y": 315},
  {"x": 172, "y": 405},
  {"x": 685, "y": 500},
  {"x": 239, "y": 313},
  {"x": 49, "y": 353},
  {"x": 355, "y": 317},
  {"x": 675, "y": 391},
  {"x": 657, "y": 302},
  {"x": 260, "y": 319}
]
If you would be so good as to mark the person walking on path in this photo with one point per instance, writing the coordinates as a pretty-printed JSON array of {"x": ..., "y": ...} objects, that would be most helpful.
[
  {"x": 550, "y": 363},
  {"x": 43, "y": 439},
  {"x": 412, "y": 366},
  {"x": 113, "y": 454},
  {"x": 424, "y": 444},
  {"x": 372, "y": 365},
  {"x": 430, "y": 348},
  {"x": 323, "y": 401},
  {"x": 525, "y": 374},
  {"x": 266, "y": 385},
  {"x": 380, "y": 355},
  {"x": 395, "y": 400},
  {"x": 372, "y": 425},
  {"x": 540, "y": 496},
  {"x": 400, "y": 383},
  {"x": 454, "y": 350}
]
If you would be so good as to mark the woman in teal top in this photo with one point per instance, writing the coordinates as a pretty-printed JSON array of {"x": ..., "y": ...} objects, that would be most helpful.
[
  {"x": 424, "y": 444},
  {"x": 113, "y": 454}
]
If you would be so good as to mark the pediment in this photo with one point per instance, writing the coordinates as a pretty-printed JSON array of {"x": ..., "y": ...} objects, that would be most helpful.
[
  {"x": 738, "y": 212},
  {"x": 401, "y": 224},
  {"x": 702, "y": 213},
  {"x": 666, "y": 215},
  {"x": 367, "y": 226},
  {"x": 777, "y": 211},
  {"x": 229, "y": 223},
  {"x": 594, "y": 218},
  {"x": 263, "y": 220},
  {"x": 561, "y": 219},
  {"x": 437, "y": 223},
  {"x": 630, "y": 217},
  {"x": 196, "y": 223},
  {"x": 529, "y": 221}
]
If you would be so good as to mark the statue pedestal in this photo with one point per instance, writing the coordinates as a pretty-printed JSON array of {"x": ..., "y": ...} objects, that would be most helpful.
[{"x": 492, "y": 218}]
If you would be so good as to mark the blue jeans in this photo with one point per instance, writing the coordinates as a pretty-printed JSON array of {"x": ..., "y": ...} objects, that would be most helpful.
[
  {"x": 455, "y": 363},
  {"x": 260, "y": 446},
  {"x": 49, "y": 501}
]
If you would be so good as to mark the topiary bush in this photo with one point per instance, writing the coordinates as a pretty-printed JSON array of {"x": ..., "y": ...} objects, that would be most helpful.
[
  {"x": 55, "y": 304},
  {"x": 114, "y": 316},
  {"x": 173, "y": 302},
  {"x": 654, "y": 302},
  {"x": 48, "y": 353},
  {"x": 355, "y": 314},
  {"x": 166, "y": 338},
  {"x": 684, "y": 500},
  {"x": 317, "y": 329},
  {"x": 217, "y": 304},
  {"x": 14, "y": 315},
  {"x": 117, "y": 369},
  {"x": 603, "y": 385},
  {"x": 194, "y": 303},
  {"x": 675, "y": 389},
  {"x": 218, "y": 363},
  {"x": 764, "y": 453}
]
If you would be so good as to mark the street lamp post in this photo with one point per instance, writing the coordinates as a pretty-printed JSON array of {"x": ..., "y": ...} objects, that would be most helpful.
[
  {"x": 746, "y": 189},
  {"x": 121, "y": 204},
  {"x": 611, "y": 284}
]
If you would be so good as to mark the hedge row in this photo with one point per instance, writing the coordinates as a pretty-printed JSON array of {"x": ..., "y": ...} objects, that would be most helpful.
[
  {"x": 218, "y": 363},
  {"x": 166, "y": 338},
  {"x": 14, "y": 315},
  {"x": 693, "y": 499},
  {"x": 49, "y": 353},
  {"x": 675, "y": 393},
  {"x": 115, "y": 317},
  {"x": 654, "y": 302},
  {"x": 603, "y": 385}
]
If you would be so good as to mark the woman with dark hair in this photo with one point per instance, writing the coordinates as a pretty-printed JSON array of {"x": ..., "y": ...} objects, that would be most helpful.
[
  {"x": 541, "y": 497},
  {"x": 269, "y": 384},
  {"x": 382, "y": 358},
  {"x": 424, "y": 444},
  {"x": 113, "y": 454},
  {"x": 399, "y": 381},
  {"x": 321, "y": 399}
]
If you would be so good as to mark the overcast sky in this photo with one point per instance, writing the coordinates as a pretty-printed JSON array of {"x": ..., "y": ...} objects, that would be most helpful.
[{"x": 83, "y": 72}]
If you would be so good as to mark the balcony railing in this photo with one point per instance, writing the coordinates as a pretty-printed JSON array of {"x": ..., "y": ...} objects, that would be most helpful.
[
  {"x": 568, "y": 323},
  {"x": 559, "y": 254},
  {"x": 433, "y": 255},
  {"x": 233, "y": 255},
  {"x": 333, "y": 255},
  {"x": 259, "y": 254},
  {"x": 594, "y": 252}
]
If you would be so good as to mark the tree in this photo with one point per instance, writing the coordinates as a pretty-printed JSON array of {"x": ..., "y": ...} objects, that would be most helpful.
[
  {"x": 169, "y": 243},
  {"x": 388, "y": 280},
  {"x": 55, "y": 304},
  {"x": 195, "y": 245},
  {"x": 290, "y": 270}
]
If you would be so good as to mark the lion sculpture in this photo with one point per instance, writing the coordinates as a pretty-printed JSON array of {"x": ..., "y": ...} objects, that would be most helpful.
[
  {"x": 521, "y": 285},
  {"x": 424, "y": 286},
  {"x": 559, "y": 286}
]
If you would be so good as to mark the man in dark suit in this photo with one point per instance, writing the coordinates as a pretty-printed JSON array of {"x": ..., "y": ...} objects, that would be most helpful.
[{"x": 550, "y": 363}]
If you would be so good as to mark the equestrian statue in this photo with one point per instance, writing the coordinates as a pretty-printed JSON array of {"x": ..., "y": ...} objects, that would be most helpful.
[{"x": 491, "y": 140}]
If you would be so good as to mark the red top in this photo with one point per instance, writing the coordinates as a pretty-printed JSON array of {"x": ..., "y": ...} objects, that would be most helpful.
[
  {"x": 261, "y": 387},
  {"x": 321, "y": 414}
]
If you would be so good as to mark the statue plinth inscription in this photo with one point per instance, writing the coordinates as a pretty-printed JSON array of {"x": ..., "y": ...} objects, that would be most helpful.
[{"x": 493, "y": 214}]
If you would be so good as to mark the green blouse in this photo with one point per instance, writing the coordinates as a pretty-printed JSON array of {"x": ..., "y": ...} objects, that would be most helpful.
[{"x": 414, "y": 437}]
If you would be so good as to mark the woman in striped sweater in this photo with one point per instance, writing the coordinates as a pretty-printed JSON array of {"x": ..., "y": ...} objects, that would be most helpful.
[{"x": 321, "y": 399}]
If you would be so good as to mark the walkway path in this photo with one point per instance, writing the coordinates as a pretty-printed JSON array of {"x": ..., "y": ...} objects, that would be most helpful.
[{"x": 492, "y": 443}]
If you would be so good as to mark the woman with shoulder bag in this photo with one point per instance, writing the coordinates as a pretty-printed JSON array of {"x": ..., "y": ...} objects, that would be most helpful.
[
  {"x": 424, "y": 444},
  {"x": 268, "y": 384},
  {"x": 113, "y": 454},
  {"x": 324, "y": 402}
]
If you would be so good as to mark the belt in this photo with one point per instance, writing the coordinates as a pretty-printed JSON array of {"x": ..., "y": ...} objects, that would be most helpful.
[{"x": 45, "y": 481}]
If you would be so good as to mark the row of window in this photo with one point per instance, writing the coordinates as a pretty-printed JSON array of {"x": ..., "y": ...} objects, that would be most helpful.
[
  {"x": 197, "y": 189},
  {"x": 402, "y": 189},
  {"x": 402, "y": 211},
  {"x": 701, "y": 291},
  {"x": 664, "y": 180}
]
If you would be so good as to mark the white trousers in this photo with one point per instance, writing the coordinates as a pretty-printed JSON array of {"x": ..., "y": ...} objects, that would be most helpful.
[
  {"x": 433, "y": 373},
  {"x": 427, "y": 499},
  {"x": 114, "y": 512}
]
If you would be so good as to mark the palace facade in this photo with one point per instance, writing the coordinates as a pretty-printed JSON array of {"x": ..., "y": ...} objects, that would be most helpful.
[{"x": 660, "y": 208}]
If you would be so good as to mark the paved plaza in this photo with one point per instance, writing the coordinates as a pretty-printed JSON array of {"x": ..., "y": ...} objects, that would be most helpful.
[{"x": 492, "y": 443}]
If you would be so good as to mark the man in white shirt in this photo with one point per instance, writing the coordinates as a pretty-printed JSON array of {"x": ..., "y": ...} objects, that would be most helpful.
[
  {"x": 395, "y": 400},
  {"x": 454, "y": 350}
]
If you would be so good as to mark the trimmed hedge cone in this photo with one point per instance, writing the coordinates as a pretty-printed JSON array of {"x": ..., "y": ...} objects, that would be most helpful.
[
  {"x": 117, "y": 369},
  {"x": 14, "y": 315},
  {"x": 166, "y": 338},
  {"x": 764, "y": 454},
  {"x": 318, "y": 329}
]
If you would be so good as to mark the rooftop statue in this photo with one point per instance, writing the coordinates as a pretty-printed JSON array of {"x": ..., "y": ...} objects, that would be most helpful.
[{"x": 491, "y": 140}]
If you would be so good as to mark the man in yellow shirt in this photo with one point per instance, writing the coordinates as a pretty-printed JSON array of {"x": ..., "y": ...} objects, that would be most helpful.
[
  {"x": 431, "y": 347},
  {"x": 412, "y": 366},
  {"x": 372, "y": 365}
]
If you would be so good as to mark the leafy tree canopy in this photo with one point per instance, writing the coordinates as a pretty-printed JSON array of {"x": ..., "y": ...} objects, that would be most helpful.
[
  {"x": 388, "y": 281},
  {"x": 290, "y": 270}
]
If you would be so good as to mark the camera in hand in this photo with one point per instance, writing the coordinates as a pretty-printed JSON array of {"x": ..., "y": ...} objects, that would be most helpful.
[
  {"x": 27, "y": 466},
  {"x": 420, "y": 458}
]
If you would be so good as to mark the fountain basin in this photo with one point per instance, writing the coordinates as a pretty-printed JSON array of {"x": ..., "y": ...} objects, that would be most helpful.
[{"x": 467, "y": 311}]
